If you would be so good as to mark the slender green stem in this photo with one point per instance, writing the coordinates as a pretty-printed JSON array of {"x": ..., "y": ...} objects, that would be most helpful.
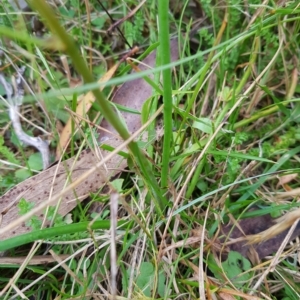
[
  {"x": 106, "y": 109},
  {"x": 24, "y": 37},
  {"x": 165, "y": 58},
  {"x": 195, "y": 178},
  {"x": 72, "y": 49},
  {"x": 256, "y": 116},
  {"x": 49, "y": 233}
]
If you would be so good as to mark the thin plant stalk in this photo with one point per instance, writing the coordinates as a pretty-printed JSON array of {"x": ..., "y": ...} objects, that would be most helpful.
[
  {"x": 106, "y": 109},
  {"x": 48, "y": 233},
  {"x": 165, "y": 58},
  {"x": 72, "y": 49}
]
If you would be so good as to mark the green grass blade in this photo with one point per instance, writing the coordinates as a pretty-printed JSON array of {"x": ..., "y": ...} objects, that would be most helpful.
[{"x": 165, "y": 58}]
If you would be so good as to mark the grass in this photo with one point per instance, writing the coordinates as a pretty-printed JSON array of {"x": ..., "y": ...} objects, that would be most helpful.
[{"x": 231, "y": 136}]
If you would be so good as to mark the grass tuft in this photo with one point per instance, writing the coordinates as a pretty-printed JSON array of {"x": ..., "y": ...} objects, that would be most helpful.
[{"x": 225, "y": 148}]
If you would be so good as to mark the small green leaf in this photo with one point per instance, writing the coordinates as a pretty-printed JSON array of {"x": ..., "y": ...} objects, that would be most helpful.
[
  {"x": 145, "y": 278},
  {"x": 6, "y": 152},
  {"x": 234, "y": 266},
  {"x": 117, "y": 184},
  {"x": 146, "y": 108},
  {"x": 35, "y": 161},
  {"x": 225, "y": 94},
  {"x": 35, "y": 223},
  {"x": 24, "y": 206},
  {"x": 203, "y": 124},
  {"x": 85, "y": 264},
  {"x": 99, "y": 22},
  {"x": 22, "y": 174}
]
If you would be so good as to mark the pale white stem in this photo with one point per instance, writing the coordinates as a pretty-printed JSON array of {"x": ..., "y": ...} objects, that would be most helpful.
[{"x": 14, "y": 114}]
